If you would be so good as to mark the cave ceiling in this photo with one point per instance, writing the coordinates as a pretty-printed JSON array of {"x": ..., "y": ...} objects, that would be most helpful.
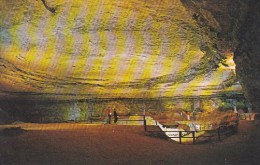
[{"x": 110, "y": 49}]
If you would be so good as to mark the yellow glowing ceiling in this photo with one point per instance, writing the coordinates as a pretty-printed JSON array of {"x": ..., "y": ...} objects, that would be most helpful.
[{"x": 104, "y": 48}]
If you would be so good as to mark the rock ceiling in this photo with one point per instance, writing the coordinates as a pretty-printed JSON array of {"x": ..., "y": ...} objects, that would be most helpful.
[{"x": 109, "y": 49}]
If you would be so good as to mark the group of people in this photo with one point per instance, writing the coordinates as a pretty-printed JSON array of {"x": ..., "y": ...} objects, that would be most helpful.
[{"x": 109, "y": 115}]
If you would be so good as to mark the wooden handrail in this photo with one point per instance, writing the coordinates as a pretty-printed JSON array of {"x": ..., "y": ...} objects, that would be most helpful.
[{"x": 218, "y": 133}]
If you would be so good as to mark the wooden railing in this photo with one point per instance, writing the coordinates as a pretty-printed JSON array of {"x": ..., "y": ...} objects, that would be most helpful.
[
  {"x": 143, "y": 119},
  {"x": 246, "y": 116},
  {"x": 121, "y": 118},
  {"x": 222, "y": 130}
]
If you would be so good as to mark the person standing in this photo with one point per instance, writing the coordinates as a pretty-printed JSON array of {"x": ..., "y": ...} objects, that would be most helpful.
[
  {"x": 188, "y": 115},
  {"x": 108, "y": 112},
  {"x": 250, "y": 112},
  {"x": 115, "y": 117},
  {"x": 181, "y": 114}
]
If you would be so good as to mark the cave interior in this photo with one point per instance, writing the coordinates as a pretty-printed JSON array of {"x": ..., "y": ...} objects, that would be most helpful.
[{"x": 62, "y": 60}]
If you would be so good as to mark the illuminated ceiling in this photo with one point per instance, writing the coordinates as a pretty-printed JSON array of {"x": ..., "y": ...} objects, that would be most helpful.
[{"x": 108, "y": 49}]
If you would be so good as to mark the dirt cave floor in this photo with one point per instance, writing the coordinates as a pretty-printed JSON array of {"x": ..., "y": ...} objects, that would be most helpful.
[{"x": 77, "y": 143}]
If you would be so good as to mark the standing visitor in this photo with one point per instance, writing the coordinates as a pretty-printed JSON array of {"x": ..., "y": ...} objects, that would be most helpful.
[
  {"x": 108, "y": 112},
  {"x": 193, "y": 115},
  {"x": 235, "y": 111},
  {"x": 250, "y": 112},
  {"x": 115, "y": 117},
  {"x": 188, "y": 115},
  {"x": 181, "y": 115}
]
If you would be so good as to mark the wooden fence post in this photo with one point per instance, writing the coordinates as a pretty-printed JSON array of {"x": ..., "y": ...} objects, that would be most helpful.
[
  {"x": 193, "y": 136},
  {"x": 180, "y": 134},
  {"x": 144, "y": 124}
]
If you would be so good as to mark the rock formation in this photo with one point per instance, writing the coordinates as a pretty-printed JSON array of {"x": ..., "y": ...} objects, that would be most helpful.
[
  {"x": 97, "y": 49},
  {"x": 236, "y": 28}
]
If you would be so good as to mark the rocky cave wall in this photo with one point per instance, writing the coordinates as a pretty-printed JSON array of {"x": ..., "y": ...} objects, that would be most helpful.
[
  {"x": 29, "y": 110},
  {"x": 247, "y": 54},
  {"x": 210, "y": 30},
  {"x": 235, "y": 24}
]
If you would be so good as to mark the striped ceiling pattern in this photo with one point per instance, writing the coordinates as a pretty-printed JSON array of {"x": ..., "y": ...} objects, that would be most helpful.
[{"x": 104, "y": 48}]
